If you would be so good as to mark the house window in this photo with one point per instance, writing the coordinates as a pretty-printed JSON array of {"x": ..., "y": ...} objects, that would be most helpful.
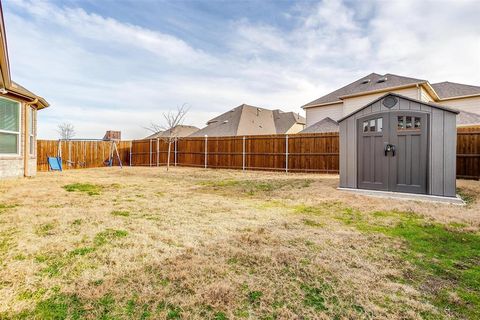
[
  {"x": 31, "y": 130},
  {"x": 9, "y": 127}
]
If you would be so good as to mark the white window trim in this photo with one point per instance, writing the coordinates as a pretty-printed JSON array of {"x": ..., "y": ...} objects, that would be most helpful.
[{"x": 19, "y": 133}]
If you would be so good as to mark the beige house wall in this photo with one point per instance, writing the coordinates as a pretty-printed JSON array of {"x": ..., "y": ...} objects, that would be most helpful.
[
  {"x": 296, "y": 128},
  {"x": 471, "y": 104},
  {"x": 353, "y": 104},
  {"x": 315, "y": 114}
]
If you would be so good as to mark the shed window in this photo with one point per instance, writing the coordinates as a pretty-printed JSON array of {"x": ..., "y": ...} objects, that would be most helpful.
[
  {"x": 9, "y": 126},
  {"x": 372, "y": 125},
  {"x": 379, "y": 124},
  {"x": 408, "y": 123},
  {"x": 417, "y": 123},
  {"x": 365, "y": 126}
]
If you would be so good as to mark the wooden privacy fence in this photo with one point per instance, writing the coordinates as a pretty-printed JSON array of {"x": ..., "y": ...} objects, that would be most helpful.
[
  {"x": 300, "y": 152},
  {"x": 78, "y": 154},
  {"x": 317, "y": 152},
  {"x": 468, "y": 152}
]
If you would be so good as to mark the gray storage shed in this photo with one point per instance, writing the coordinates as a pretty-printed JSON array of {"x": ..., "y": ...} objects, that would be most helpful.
[{"x": 400, "y": 144}]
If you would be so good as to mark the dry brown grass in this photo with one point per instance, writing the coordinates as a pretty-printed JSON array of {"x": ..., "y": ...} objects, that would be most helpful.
[{"x": 195, "y": 244}]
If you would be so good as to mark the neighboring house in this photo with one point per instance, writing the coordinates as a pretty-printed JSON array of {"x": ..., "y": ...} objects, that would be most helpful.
[
  {"x": 250, "y": 120},
  {"x": 325, "y": 125},
  {"x": 18, "y": 120},
  {"x": 177, "y": 131},
  {"x": 359, "y": 93},
  {"x": 288, "y": 122},
  {"x": 111, "y": 135}
]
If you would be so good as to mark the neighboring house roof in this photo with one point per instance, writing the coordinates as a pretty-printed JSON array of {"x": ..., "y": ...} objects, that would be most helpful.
[
  {"x": 465, "y": 118},
  {"x": 381, "y": 83},
  {"x": 285, "y": 120},
  {"x": 249, "y": 120},
  {"x": 434, "y": 105},
  {"x": 446, "y": 90},
  {"x": 5, "y": 77},
  {"x": 325, "y": 125},
  {"x": 371, "y": 82},
  {"x": 177, "y": 131}
]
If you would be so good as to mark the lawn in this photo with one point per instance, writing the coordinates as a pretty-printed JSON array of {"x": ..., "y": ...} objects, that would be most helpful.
[{"x": 143, "y": 243}]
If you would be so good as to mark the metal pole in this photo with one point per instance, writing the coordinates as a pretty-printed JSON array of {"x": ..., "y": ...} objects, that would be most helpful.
[
  {"x": 206, "y": 141},
  {"x": 243, "y": 154},
  {"x": 175, "y": 153},
  {"x": 130, "y": 158},
  {"x": 150, "y": 153},
  {"x": 286, "y": 153}
]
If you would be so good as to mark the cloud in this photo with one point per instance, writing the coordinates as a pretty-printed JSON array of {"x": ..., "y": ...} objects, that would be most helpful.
[{"x": 100, "y": 72}]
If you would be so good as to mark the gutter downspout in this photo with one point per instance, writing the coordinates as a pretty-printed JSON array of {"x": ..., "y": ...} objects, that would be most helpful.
[{"x": 26, "y": 137}]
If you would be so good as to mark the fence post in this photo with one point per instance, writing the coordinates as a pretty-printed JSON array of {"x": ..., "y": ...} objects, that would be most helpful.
[
  {"x": 158, "y": 152},
  {"x": 150, "y": 153},
  {"x": 130, "y": 158},
  {"x": 206, "y": 142},
  {"x": 243, "y": 154},
  {"x": 286, "y": 153},
  {"x": 175, "y": 152}
]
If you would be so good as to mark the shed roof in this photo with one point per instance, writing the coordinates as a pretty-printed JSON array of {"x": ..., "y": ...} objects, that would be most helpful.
[
  {"x": 433, "y": 105},
  {"x": 325, "y": 125}
]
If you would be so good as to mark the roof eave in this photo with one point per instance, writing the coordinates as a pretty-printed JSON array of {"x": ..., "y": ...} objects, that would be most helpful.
[
  {"x": 41, "y": 103},
  {"x": 320, "y": 104},
  {"x": 460, "y": 97}
]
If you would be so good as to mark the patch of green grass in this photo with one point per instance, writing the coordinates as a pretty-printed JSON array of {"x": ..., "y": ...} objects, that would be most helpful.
[
  {"x": 32, "y": 295},
  {"x": 88, "y": 188},
  {"x": 45, "y": 229},
  {"x": 173, "y": 312},
  {"x": 58, "y": 306},
  {"x": 81, "y": 251},
  {"x": 220, "y": 316},
  {"x": 315, "y": 297},
  {"x": 451, "y": 258},
  {"x": 108, "y": 235},
  {"x": 254, "y": 297},
  {"x": 77, "y": 222},
  {"x": 312, "y": 223},
  {"x": 120, "y": 213},
  {"x": 252, "y": 187},
  {"x": 468, "y": 196},
  {"x": 6, "y": 240},
  {"x": 5, "y": 207}
]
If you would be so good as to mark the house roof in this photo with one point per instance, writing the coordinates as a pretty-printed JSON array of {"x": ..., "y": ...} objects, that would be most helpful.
[
  {"x": 434, "y": 105},
  {"x": 249, "y": 120},
  {"x": 446, "y": 89},
  {"x": 465, "y": 118},
  {"x": 177, "y": 131},
  {"x": 325, "y": 125},
  {"x": 375, "y": 82},
  {"x": 285, "y": 120},
  {"x": 5, "y": 78}
]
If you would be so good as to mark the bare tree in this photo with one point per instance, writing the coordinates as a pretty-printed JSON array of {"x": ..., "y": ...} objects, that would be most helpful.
[
  {"x": 66, "y": 131},
  {"x": 168, "y": 131}
]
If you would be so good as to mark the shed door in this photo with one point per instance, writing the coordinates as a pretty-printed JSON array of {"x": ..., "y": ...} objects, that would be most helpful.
[
  {"x": 373, "y": 135},
  {"x": 403, "y": 168},
  {"x": 408, "y": 168}
]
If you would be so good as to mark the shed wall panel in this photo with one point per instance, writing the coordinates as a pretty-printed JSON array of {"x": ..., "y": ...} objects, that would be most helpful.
[{"x": 449, "y": 155}]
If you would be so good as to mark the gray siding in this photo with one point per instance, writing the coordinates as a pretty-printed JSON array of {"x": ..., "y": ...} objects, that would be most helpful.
[{"x": 441, "y": 163}]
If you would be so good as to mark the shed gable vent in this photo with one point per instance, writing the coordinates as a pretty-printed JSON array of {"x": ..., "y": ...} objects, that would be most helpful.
[
  {"x": 382, "y": 80},
  {"x": 389, "y": 102}
]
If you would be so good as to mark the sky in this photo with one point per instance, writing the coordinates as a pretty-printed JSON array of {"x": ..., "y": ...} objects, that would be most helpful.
[{"x": 120, "y": 64}]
